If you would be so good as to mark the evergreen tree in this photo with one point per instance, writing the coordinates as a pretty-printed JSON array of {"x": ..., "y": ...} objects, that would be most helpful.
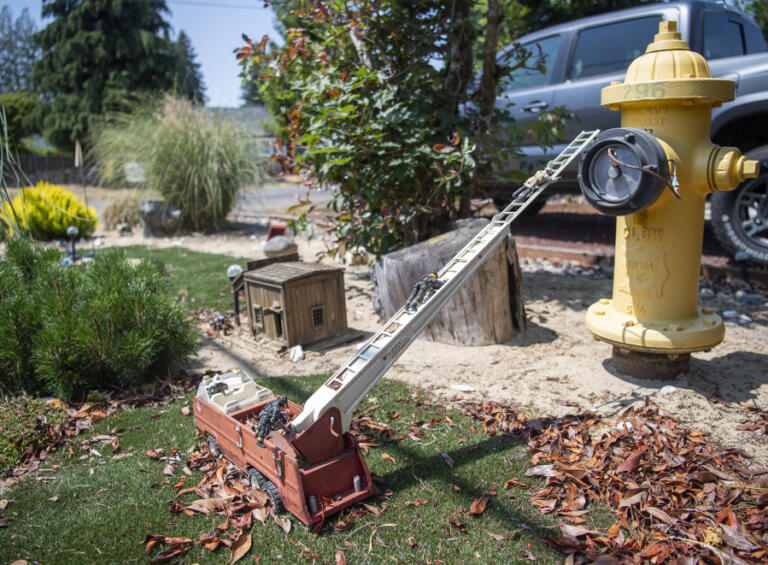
[
  {"x": 18, "y": 51},
  {"x": 188, "y": 79},
  {"x": 95, "y": 54}
]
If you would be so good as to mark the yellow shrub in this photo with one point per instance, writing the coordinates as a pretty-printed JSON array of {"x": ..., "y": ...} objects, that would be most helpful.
[{"x": 46, "y": 211}]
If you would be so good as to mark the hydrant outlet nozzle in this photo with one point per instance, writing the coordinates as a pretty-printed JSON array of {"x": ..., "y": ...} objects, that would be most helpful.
[{"x": 729, "y": 168}]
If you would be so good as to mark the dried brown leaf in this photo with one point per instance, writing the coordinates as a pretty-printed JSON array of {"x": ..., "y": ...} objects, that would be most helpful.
[
  {"x": 660, "y": 514},
  {"x": 169, "y": 554},
  {"x": 240, "y": 547},
  {"x": 479, "y": 504},
  {"x": 631, "y": 463},
  {"x": 284, "y": 523},
  {"x": 341, "y": 558},
  {"x": 574, "y": 532}
]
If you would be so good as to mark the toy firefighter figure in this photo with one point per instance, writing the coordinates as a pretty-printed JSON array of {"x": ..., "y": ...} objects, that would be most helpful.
[
  {"x": 271, "y": 418},
  {"x": 426, "y": 286}
]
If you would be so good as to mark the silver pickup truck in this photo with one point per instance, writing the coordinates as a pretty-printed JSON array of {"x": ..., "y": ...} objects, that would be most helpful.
[{"x": 583, "y": 56}]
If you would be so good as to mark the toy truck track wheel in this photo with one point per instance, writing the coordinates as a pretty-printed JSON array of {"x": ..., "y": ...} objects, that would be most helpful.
[
  {"x": 213, "y": 447},
  {"x": 740, "y": 217},
  {"x": 274, "y": 495},
  {"x": 255, "y": 479}
]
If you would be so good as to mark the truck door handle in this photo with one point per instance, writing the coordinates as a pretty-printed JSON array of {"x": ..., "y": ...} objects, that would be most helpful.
[{"x": 536, "y": 106}]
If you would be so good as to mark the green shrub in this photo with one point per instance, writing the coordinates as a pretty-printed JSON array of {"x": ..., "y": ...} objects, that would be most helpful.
[
  {"x": 45, "y": 212},
  {"x": 196, "y": 161},
  {"x": 66, "y": 330},
  {"x": 22, "y": 421},
  {"x": 22, "y": 112}
]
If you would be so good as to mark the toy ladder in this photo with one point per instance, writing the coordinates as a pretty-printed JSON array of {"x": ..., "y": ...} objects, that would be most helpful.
[{"x": 347, "y": 387}]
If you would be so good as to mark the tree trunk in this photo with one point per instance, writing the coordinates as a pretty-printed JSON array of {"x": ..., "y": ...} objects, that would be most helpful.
[
  {"x": 458, "y": 71},
  {"x": 487, "y": 309},
  {"x": 487, "y": 95}
]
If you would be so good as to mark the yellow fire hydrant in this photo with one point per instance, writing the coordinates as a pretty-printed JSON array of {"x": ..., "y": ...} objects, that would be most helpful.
[{"x": 654, "y": 173}]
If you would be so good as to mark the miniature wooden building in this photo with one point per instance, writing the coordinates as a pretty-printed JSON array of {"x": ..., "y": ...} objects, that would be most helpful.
[{"x": 296, "y": 303}]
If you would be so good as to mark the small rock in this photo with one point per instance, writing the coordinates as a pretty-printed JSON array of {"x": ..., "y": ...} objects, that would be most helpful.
[
  {"x": 747, "y": 298},
  {"x": 707, "y": 293},
  {"x": 669, "y": 389},
  {"x": 730, "y": 314},
  {"x": 744, "y": 320},
  {"x": 722, "y": 295},
  {"x": 740, "y": 284},
  {"x": 279, "y": 245},
  {"x": 462, "y": 388},
  {"x": 123, "y": 229}
]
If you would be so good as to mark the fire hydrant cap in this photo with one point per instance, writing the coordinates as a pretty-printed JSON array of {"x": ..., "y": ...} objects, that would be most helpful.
[{"x": 668, "y": 71}]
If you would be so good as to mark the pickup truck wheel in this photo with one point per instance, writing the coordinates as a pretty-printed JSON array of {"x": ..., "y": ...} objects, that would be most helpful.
[
  {"x": 255, "y": 479},
  {"x": 274, "y": 496},
  {"x": 740, "y": 217},
  {"x": 213, "y": 447}
]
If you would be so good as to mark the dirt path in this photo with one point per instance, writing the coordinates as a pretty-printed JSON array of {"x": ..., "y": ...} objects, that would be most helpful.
[{"x": 554, "y": 368}]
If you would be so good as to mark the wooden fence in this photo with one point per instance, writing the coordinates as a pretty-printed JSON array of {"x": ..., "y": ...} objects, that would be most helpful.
[{"x": 59, "y": 169}]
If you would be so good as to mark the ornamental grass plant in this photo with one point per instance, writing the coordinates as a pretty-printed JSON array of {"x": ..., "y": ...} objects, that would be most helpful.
[{"x": 197, "y": 161}]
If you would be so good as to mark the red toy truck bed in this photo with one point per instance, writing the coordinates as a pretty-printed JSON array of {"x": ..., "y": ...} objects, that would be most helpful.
[{"x": 311, "y": 475}]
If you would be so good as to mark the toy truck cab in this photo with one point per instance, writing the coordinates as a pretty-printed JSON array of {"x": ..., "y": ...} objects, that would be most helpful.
[{"x": 311, "y": 475}]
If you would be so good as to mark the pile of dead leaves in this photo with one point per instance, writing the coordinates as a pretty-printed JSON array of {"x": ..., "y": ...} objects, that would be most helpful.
[
  {"x": 46, "y": 436},
  {"x": 80, "y": 417},
  {"x": 675, "y": 497},
  {"x": 223, "y": 490}
]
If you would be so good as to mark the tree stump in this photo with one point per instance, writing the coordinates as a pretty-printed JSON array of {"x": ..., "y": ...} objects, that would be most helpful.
[{"x": 487, "y": 309}]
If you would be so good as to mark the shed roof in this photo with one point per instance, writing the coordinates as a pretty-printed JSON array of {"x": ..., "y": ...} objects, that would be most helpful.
[{"x": 283, "y": 272}]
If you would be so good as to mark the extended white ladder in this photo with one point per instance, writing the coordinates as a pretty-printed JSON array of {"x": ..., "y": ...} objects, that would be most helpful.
[{"x": 349, "y": 385}]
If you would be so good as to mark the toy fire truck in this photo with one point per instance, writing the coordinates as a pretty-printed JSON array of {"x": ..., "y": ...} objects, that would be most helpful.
[{"x": 304, "y": 458}]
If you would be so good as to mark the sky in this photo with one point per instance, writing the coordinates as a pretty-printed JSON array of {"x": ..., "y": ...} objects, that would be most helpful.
[{"x": 215, "y": 28}]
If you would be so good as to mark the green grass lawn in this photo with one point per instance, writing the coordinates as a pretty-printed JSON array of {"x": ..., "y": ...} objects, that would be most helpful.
[
  {"x": 200, "y": 276},
  {"x": 98, "y": 509}
]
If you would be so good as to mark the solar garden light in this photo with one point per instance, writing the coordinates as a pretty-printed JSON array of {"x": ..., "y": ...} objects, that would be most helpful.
[
  {"x": 72, "y": 233},
  {"x": 234, "y": 271}
]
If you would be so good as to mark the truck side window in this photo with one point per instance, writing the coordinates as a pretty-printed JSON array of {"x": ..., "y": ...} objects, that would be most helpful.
[
  {"x": 754, "y": 39},
  {"x": 542, "y": 52},
  {"x": 612, "y": 47},
  {"x": 723, "y": 36}
]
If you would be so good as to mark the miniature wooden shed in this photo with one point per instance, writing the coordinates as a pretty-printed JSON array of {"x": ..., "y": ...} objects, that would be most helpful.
[{"x": 296, "y": 303}]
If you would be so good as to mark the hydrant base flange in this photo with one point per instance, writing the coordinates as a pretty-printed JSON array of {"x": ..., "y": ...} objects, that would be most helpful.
[
  {"x": 644, "y": 365},
  {"x": 699, "y": 333}
]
